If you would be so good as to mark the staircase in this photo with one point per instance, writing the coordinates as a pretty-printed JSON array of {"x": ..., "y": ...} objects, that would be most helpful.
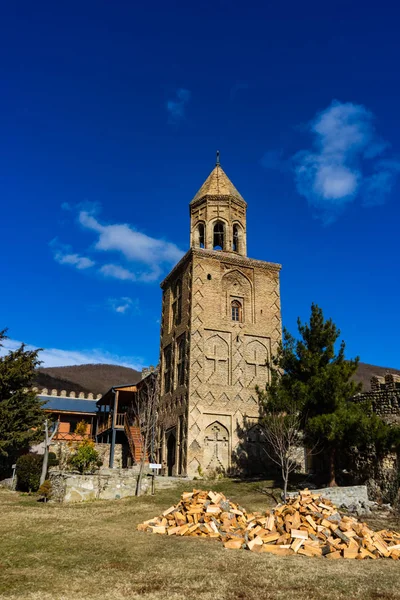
[{"x": 134, "y": 437}]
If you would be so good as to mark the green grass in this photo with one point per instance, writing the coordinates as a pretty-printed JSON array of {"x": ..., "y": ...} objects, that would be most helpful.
[{"x": 92, "y": 551}]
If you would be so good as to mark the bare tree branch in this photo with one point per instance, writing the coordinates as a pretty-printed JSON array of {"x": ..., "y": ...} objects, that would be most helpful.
[
  {"x": 282, "y": 435},
  {"x": 146, "y": 412}
]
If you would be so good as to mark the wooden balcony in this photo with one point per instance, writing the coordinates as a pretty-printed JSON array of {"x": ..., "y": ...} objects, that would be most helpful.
[
  {"x": 107, "y": 422},
  {"x": 120, "y": 420}
]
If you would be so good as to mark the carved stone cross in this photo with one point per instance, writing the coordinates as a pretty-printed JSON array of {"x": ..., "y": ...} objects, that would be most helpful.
[
  {"x": 218, "y": 440},
  {"x": 217, "y": 436},
  {"x": 216, "y": 359},
  {"x": 258, "y": 362}
]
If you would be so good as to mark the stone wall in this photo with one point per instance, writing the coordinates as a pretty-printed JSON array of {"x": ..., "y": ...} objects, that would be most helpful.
[
  {"x": 63, "y": 451},
  {"x": 107, "y": 484},
  {"x": 381, "y": 474},
  {"x": 384, "y": 397},
  {"x": 344, "y": 495}
]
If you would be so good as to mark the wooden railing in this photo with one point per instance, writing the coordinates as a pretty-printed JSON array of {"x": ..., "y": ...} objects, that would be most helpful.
[
  {"x": 120, "y": 420},
  {"x": 71, "y": 437},
  {"x": 104, "y": 424},
  {"x": 107, "y": 422},
  {"x": 128, "y": 433}
]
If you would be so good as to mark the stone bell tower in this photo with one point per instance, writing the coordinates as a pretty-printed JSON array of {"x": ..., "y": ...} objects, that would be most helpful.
[
  {"x": 221, "y": 322},
  {"x": 218, "y": 215}
]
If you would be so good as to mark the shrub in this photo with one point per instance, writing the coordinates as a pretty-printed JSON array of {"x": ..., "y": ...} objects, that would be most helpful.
[
  {"x": 45, "y": 490},
  {"x": 86, "y": 457},
  {"x": 81, "y": 428},
  {"x": 29, "y": 469}
]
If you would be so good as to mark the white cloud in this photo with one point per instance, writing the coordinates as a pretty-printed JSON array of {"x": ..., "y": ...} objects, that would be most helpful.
[
  {"x": 56, "y": 357},
  {"x": 343, "y": 162},
  {"x": 134, "y": 246},
  {"x": 124, "y": 305},
  {"x": 80, "y": 262},
  {"x": 176, "y": 107},
  {"x": 117, "y": 272},
  {"x": 142, "y": 258}
]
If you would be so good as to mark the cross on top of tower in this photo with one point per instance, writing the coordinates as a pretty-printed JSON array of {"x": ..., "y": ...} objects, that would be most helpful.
[{"x": 218, "y": 184}]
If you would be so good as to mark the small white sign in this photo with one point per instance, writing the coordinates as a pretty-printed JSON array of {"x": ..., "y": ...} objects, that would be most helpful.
[
  {"x": 155, "y": 466},
  {"x": 14, "y": 466}
]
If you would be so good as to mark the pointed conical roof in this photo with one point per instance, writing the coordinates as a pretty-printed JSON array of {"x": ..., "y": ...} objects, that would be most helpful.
[{"x": 217, "y": 184}]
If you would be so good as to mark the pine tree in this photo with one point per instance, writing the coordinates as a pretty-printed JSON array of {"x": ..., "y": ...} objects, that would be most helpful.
[
  {"x": 318, "y": 379},
  {"x": 21, "y": 414}
]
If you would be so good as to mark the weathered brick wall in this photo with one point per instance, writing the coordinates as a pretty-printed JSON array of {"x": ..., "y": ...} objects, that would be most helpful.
[
  {"x": 173, "y": 409},
  {"x": 225, "y": 360},
  {"x": 228, "y": 358}
]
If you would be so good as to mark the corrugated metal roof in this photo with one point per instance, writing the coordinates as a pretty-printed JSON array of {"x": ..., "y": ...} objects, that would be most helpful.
[{"x": 69, "y": 404}]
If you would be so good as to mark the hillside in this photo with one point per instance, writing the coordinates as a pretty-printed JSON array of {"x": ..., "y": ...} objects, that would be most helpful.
[
  {"x": 85, "y": 378},
  {"x": 100, "y": 378}
]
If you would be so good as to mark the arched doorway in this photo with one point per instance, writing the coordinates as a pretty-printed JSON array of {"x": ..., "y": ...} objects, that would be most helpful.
[{"x": 171, "y": 451}]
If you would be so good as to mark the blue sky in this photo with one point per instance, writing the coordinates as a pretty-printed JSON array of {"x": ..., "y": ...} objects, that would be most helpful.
[{"x": 110, "y": 116}]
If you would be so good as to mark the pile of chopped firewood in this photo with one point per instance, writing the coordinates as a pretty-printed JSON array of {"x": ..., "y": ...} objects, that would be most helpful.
[{"x": 307, "y": 524}]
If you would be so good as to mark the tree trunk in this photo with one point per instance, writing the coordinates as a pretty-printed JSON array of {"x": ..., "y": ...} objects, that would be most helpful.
[
  {"x": 47, "y": 442},
  {"x": 285, "y": 484},
  {"x": 332, "y": 469},
  {"x": 285, "y": 477},
  {"x": 141, "y": 468},
  {"x": 46, "y": 453}
]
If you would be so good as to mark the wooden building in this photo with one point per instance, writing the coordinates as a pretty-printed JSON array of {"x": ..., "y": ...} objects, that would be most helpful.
[
  {"x": 117, "y": 421},
  {"x": 69, "y": 411}
]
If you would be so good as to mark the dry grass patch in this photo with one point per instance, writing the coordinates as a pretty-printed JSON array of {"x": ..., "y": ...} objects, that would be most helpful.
[{"x": 92, "y": 551}]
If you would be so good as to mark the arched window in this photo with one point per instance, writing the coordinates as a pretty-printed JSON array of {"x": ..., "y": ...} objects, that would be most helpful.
[
  {"x": 177, "y": 303},
  {"x": 237, "y": 312},
  {"x": 235, "y": 238},
  {"x": 200, "y": 230},
  {"x": 219, "y": 234}
]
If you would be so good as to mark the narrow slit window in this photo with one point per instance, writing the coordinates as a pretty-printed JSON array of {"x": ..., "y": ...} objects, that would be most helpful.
[
  {"x": 167, "y": 369},
  {"x": 177, "y": 303},
  {"x": 236, "y": 309},
  {"x": 218, "y": 243},
  {"x": 235, "y": 239},
  {"x": 201, "y": 235},
  {"x": 181, "y": 361}
]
